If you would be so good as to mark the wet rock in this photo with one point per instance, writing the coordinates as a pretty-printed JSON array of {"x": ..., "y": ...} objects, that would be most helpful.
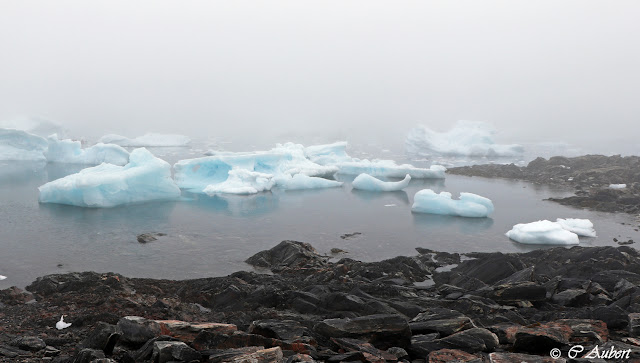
[
  {"x": 383, "y": 331},
  {"x": 174, "y": 351},
  {"x": 451, "y": 355},
  {"x": 350, "y": 235},
  {"x": 440, "y": 320},
  {"x": 506, "y": 332},
  {"x": 149, "y": 237},
  {"x": 29, "y": 343},
  {"x": 472, "y": 340},
  {"x": 542, "y": 338},
  {"x": 289, "y": 254},
  {"x": 104, "y": 337},
  {"x": 571, "y": 297},
  {"x": 289, "y": 330},
  {"x": 514, "y": 292}
]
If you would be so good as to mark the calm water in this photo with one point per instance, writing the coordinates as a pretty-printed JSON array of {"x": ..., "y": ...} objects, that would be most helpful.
[{"x": 212, "y": 236}]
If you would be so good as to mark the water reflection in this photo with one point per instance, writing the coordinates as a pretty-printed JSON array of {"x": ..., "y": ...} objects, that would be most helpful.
[
  {"x": 466, "y": 225},
  {"x": 235, "y": 205},
  {"x": 399, "y": 195}
]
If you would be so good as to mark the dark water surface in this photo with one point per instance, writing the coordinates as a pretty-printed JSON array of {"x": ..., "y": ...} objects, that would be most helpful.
[{"x": 212, "y": 236}]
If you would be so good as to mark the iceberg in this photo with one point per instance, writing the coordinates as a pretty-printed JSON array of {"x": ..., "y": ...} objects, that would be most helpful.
[
  {"x": 542, "y": 233},
  {"x": 335, "y": 154},
  {"x": 370, "y": 183},
  {"x": 581, "y": 227},
  {"x": 34, "y": 125},
  {"x": 144, "y": 178},
  {"x": 69, "y": 151},
  {"x": 22, "y": 146},
  {"x": 242, "y": 181},
  {"x": 301, "y": 181},
  {"x": 3, "y": 277},
  {"x": 469, "y": 205},
  {"x": 466, "y": 138},
  {"x": 149, "y": 140}
]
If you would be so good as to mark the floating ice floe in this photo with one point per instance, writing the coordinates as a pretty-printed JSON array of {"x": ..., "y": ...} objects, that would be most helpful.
[
  {"x": 469, "y": 204},
  {"x": 335, "y": 154},
  {"x": 69, "y": 151},
  {"x": 22, "y": 146},
  {"x": 581, "y": 227},
  {"x": 466, "y": 138},
  {"x": 144, "y": 178},
  {"x": 61, "y": 324},
  {"x": 301, "y": 181},
  {"x": 3, "y": 277},
  {"x": 370, "y": 183},
  {"x": 241, "y": 181},
  {"x": 149, "y": 140},
  {"x": 617, "y": 186},
  {"x": 542, "y": 233}
]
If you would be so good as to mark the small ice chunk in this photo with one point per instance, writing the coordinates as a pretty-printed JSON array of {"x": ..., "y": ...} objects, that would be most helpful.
[
  {"x": 542, "y": 233},
  {"x": 367, "y": 182},
  {"x": 61, "y": 324},
  {"x": 69, "y": 151},
  {"x": 144, "y": 178},
  {"x": 469, "y": 204},
  {"x": 617, "y": 186},
  {"x": 466, "y": 138},
  {"x": 301, "y": 181},
  {"x": 581, "y": 227},
  {"x": 150, "y": 140},
  {"x": 242, "y": 181},
  {"x": 3, "y": 277},
  {"x": 21, "y": 145},
  {"x": 389, "y": 205}
]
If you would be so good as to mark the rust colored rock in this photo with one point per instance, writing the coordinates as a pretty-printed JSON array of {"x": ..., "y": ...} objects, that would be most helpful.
[
  {"x": 450, "y": 355},
  {"x": 542, "y": 338}
]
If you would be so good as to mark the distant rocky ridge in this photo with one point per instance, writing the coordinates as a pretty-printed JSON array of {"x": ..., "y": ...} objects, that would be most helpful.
[
  {"x": 589, "y": 175},
  {"x": 432, "y": 307}
]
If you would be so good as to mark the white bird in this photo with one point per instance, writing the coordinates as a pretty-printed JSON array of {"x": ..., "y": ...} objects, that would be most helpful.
[
  {"x": 61, "y": 324},
  {"x": 2, "y": 277}
]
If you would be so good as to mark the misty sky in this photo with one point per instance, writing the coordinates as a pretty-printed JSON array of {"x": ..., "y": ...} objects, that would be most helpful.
[{"x": 282, "y": 69}]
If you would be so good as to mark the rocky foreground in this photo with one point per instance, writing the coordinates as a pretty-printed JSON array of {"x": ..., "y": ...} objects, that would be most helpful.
[
  {"x": 432, "y": 307},
  {"x": 590, "y": 177}
]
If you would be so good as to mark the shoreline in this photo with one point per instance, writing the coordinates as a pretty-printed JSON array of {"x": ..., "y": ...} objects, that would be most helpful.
[{"x": 431, "y": 307}]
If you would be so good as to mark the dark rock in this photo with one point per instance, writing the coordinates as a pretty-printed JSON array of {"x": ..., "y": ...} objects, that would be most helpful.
[
  {"x": 440, "y": 320},
  {"x": 506, "y": 332},
  {"x": 222, "y": 355},
  {"x": 350, "y": 235},
  {"x": 14, "y": 296},
  {"x": 12, "y": 352},
  {"x": 164, "y": 351},
  {"x": 571, "y": 297},
  {"x": 149, "y": 237},
  {"x": 370, "y": 353},
  {"x": 514, "y": 292},
  {"x": 29, "y": 343},
  {"x": 145, "y": 352},
  {"x": 614, "y": 316},
  {"x": 279, "y": 329},
  {"x": 398, "y": 352},
  {"x": 88, "y": 356},
  {"x": 289, "y": 254},
  {"x": 383, "y": 331},
  {"x": 422, "y": 345},
  {"x": 472, "y": 340},
  {"x": 104, "y": 337},
  {"x": 542, "y": 338},
  {"x": 634, "y": 324}
]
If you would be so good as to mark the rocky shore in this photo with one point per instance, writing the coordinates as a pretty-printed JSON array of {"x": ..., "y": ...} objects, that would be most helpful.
[
  {"x": 305, "y": 307},
  {"x": 589, "y": 176}
]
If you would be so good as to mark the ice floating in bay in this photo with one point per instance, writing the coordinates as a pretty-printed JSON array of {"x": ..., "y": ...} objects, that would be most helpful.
[
  {"x": 328, "y": 154},
  {"x": 370, "y": 183},
  {"x": 389, "y": 205},
  {"x": 21, "y": 145},
  {"x": 149, "y": 140},
  {"x": 469, "y": 204},
  {"x": 35, "y": 126},
  {"x": 3, "y": 277},
  {"x": 241, "y": 181},
  {"x": 144, "y": 178},
  {"x": 617, "y": 186},
  {"x": 542, "y": 233},
  {"x": 581, "y": 227},
  {"x": 69, "y": 151},
  {"x": 466, "y": 138},
  {"x": 301, "y": 181}
]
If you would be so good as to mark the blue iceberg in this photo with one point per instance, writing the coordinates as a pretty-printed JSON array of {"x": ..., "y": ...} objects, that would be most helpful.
[
  {"x": 370, "y": 183},
  {"x": 469, "y": 204}
]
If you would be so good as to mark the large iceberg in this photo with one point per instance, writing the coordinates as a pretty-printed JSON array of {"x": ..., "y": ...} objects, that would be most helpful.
[
  {"x": 469, "y": 204},
  {"x": 581, "y": 227},
  {"x": 367, "y": 182},
  {"x": 149, "y": 140},
  {"x": 466, "y": 138},
  {"x": 144, "y": 178},
  {"x": 20, "y": 145},
  {"x": 542, "y": 233},
  {"x": 34, "y": 125},
  {"x": 335, "y": 154},
  {"x": 69, "y": 151}
]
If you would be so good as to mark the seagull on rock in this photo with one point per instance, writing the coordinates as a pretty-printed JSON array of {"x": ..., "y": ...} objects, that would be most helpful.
[{"x": 61, "y": 324}]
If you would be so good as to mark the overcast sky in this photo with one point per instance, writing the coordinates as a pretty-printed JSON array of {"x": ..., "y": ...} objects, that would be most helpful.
[{"x": 282, "y": 69}]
